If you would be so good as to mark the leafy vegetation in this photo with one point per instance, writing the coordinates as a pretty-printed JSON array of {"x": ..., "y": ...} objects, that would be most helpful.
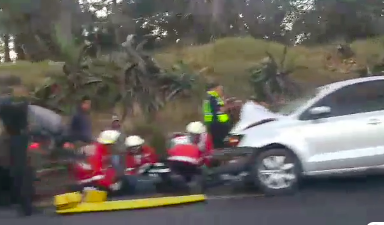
[{"x": 126, "y": 77}]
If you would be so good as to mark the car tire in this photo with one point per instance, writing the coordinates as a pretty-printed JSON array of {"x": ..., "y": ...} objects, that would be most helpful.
[{"x": 276, "y": 172}]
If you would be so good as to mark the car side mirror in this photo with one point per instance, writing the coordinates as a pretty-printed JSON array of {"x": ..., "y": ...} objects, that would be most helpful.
[{"x": 319, "y": 112}]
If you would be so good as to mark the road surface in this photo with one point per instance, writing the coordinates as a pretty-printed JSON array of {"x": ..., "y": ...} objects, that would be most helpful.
[{"x": 354, "y": 201}]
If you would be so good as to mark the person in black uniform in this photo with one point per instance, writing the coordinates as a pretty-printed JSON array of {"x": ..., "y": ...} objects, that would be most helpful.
[
  {"x": 215, "y": 117},
  {"x": 14, "y": 115}
]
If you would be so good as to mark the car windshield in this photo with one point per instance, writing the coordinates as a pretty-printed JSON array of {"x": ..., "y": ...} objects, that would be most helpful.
[{"x": 292, "y": 106}]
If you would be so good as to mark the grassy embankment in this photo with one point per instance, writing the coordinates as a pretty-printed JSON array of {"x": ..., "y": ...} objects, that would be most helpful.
[{"x": 226, "y": 60}]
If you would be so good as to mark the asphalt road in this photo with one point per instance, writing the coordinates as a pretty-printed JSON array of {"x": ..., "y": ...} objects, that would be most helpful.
[{"x": 354, "y": 201}]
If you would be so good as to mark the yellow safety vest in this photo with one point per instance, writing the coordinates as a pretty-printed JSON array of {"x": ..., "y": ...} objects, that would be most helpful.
[{"x": 208, "y": 114}]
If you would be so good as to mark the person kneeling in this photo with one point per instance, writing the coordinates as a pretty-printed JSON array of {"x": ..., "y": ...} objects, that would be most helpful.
[
  {"x": 139, "y": 155},
  {"x": 186, "y": 158},
  {"x": 97, "y": 169}
]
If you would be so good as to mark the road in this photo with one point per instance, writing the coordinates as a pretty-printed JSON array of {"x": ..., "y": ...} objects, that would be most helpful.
[{"x": 354, "y": 201}]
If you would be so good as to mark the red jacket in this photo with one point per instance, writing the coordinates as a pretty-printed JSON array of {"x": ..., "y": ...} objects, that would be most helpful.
[
  {"x": 99, "y": 160},
  {"x": 187, "y": 153},
  {"x": 133, "y": 162},
  {"x": 205, "y": 146},
  {"x": 82, "y": 169}
]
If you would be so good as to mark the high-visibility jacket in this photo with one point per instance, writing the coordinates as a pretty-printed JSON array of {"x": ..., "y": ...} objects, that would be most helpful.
[
  {"x": 211, "y": 111},
  {"x": 134, "y": 162}
]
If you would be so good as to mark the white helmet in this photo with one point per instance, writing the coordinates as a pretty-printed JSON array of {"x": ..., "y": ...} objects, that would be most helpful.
[
  {"x": 196, "y": 127},
  {"x": 133, "y": 141},
  {"x": 108, "y": 137}
]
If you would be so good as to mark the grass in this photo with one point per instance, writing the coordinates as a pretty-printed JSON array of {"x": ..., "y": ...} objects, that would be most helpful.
[
  {"x": 227, "y": 60},
  {"x": 31, "y": 73}
]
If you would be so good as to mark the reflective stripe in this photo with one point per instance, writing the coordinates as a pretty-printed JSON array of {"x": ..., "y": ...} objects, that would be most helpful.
[
  {"x": 98, "y": 177},
  {"x": 94, "y": 178},
  {"x": 159, "y": 164},
  {"x": 129, "y": 169},
  {"x": 84, "y": 166},
  {"x": 160, "y": 170},
  {"x": 184, "y": 159},
  {"x": 222, "y": 118}
]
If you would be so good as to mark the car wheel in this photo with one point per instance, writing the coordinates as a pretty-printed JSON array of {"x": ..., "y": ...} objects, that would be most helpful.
[{"x": 276, "y": 172}]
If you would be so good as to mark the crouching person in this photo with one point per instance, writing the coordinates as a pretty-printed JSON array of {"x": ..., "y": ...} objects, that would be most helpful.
[
  {"x": 138, "y": 155},
  {"x": 97, "y": 170},
  {"x": 186, "y": 157}
]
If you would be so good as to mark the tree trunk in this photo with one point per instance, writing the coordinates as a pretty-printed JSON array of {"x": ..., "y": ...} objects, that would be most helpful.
[
  {"x": 18, "y": 48},
  {"x": 64, "y": 23},
  {"x": 7, "y": 56}
]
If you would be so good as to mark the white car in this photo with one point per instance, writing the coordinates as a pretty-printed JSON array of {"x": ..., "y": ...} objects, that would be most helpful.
[{"x": 336, "y": 129}]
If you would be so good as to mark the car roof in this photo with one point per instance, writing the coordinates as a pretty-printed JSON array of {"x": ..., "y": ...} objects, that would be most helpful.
[{"x": 337, "y": 85}]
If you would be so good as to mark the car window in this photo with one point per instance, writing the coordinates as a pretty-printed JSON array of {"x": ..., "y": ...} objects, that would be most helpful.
[{"x": 356, "y": 98}]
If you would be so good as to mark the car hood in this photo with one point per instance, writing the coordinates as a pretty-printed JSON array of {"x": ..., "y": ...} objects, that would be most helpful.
[{"x": 248, "y": 123}]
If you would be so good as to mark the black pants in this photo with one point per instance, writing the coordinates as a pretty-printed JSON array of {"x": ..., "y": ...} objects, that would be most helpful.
[
  {"x": 7, "y": 192},
  {"x": 186, "y": 170},
  {"x": 218, "y": 132},
  {"x": 22, "y": 174}
]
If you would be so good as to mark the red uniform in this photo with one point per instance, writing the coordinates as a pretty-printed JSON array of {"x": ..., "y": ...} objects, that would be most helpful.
[
  {"x": 96, "y": 168},
  {"x": 133, "y": 162},
  {"x": 187, "y": 153},
  {"x": 204, "y": 147}
]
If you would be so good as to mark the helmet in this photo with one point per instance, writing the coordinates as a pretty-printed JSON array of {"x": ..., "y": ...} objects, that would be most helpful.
[
  {"x": 133, "y": 141},
  {"x": 108, "y": 137},
  {"x": 196, "y": 127}
]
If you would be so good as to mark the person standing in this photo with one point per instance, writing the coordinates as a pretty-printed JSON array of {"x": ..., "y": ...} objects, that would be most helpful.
[
  {"x": 14, "y": 115},
  {"x": 216, "y": 118},
  {"x": 81, "y": 126}
]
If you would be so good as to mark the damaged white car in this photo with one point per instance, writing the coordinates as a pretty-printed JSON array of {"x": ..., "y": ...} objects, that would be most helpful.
[{"x": 336, "y": 129}]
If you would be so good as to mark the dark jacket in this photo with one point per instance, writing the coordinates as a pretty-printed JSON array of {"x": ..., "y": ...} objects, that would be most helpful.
[
  {"x": 214, "y": 107},
  {"x": 81, "y": 127}
]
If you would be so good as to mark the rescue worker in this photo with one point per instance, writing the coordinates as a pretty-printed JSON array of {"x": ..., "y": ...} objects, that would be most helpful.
[
  {"x": 185, "y": 159},
  {"x": 198, "y": 135},
  {"x": 99, "y": 157},
  {"x": 215, "y": 117},
  {"x": 138, "y": 154}
]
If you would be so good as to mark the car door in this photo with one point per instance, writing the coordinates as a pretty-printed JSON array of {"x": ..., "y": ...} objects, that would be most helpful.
[{"x": 349, "y": 135}]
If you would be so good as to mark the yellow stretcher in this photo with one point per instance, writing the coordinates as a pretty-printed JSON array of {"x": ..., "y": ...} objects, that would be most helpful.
[{"x": 95, "y": 201}]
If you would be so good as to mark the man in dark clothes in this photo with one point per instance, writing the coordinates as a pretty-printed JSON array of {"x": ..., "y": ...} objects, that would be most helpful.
[
  {"x": 81, "y": 126},
  {"x": 14, "y": 115}
]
